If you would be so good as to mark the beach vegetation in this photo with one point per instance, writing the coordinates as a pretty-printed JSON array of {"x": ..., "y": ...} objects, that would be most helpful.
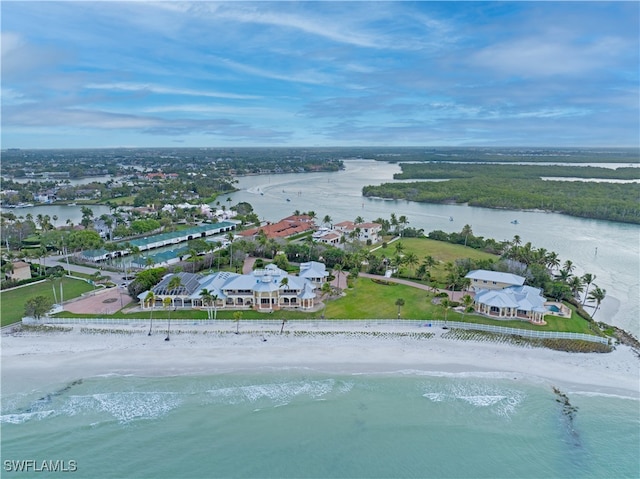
[{"x": 568, "y": 345}]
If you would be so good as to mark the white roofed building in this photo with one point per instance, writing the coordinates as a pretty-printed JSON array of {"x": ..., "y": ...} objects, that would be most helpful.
[
  {"x": 514, "y": 302},
  {"x": 361, "y": 231},
  {"x": 504, "y": 296},
  {"x": 267, "y": 289},
  {"x": 314, "y": 271}
]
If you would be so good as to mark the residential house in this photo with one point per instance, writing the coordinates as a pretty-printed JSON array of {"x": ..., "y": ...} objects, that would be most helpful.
[
  {"x": 513, "y": 302},
  {"x": 265, "y": 290},
  {"x": 365, "y": 232},
  {"x": 504, "y": 296},
  {"x": 314, "y": 271},
  {"x": 285, "y": 228}
]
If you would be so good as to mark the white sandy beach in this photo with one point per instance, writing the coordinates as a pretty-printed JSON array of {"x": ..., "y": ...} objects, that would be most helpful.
[{"x": 38, "y": 361}]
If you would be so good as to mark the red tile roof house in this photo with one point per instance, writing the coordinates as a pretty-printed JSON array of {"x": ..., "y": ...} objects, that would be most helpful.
[{"x": 285, "y": 228}]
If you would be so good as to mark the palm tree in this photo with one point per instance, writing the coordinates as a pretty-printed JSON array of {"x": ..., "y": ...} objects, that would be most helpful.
[
  {"x": 214, "y": 301},
  {"x": 553, "y": 262},
  {"x": 403, "y": 222},
  {"x": 568, "y": 266},
  {"x": 53, "y": 287},
  {"x": 150, "y": 298},
  {"x": 467, "y": 301},
  {"x": 564, "y": 276},
  {"x": 135, "y": 252},
  {"x": 597, "y": 295},
  {"x": 193, "y": 258},
  {"x": 575, "y": 283},
  {"x": 394, "y": 222},
  {"x": 230, "y": 237},
  {"x": 466, "y": 232},
  {"x": 429, "y": 261},
  {"x": 207, "y": 297},
  {"x": 399, "y": 304},
  {"x": 588, "y": 279},
  {"x": 166, "y": 304},
  {"x": 446, "y": 305},
  {"x": 411, "y": 260},
  {"x": 310, "y": 242},
  {"x": 327, "y": 220},
  {"x": 172, "y": 288},
  {"x": 262, "y": 241},
  {"x": 396, "y": 263},
  {"x": 516, "y": 240},
  {"x": 338, "y": 267},
  {"x": 237, "y": 316}
]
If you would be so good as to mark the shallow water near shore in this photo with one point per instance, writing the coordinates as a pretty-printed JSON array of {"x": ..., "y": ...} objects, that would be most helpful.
[{"x": 302, "y": 423}]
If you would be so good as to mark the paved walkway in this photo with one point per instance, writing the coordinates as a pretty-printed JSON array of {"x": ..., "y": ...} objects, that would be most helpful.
[{"x": 50, "y": 261}]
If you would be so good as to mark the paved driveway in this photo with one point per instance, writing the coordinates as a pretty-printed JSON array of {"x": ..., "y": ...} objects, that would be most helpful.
[{"x": 102, "y": 301}]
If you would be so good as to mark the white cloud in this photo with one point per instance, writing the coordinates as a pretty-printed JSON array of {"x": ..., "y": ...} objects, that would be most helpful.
[
  {"x": 161, "y": 90},
  {"x": 9, "y": 42},
  {"x": 539, "y": 57},
  {"x": 307, "y": 76}
]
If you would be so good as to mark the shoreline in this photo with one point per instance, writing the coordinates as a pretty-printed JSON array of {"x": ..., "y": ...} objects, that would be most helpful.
[{"x": 39, "y": 361}]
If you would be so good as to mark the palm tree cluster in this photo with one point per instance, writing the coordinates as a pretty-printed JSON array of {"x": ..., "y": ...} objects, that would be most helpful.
[{"x": 561, "y": 282}]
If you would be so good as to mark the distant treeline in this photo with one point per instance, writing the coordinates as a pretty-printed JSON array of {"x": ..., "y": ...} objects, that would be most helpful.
[
  {"x": 447, "y": 170},
  {"x": 509, "y": 155},
  {"x": 605, "y": 201}
]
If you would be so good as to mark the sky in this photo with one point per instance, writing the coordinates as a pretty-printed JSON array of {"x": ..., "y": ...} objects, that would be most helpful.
[{"x": 218, "y": 74}]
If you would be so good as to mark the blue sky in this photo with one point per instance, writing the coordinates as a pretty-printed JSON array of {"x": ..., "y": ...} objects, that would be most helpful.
[{"x": 106, "y": 74}]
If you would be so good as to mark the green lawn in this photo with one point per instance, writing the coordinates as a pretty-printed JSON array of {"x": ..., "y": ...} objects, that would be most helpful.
[
  {"x": 442, "y": 252},
  {"x": 12, "y": 302}
]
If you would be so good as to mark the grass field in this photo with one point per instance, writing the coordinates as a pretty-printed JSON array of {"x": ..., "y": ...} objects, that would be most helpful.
[
  {"x": 440, "y": 251},
  {"x": 12, "y": 302}
]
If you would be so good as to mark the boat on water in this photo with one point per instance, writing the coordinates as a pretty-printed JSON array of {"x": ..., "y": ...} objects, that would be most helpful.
[
  {"x": 24, "y": 205},
  {"x": 515, "y": 222},
  {"x": 450, "y": 218},
  {"x": 288, "y": 199}
]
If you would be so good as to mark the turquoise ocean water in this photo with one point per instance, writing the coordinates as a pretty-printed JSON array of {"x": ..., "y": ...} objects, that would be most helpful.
[{"x": 301, "y": 423}]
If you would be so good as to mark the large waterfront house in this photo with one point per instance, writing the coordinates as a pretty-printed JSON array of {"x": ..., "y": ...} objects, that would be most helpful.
[
  {"x": 504, "y": 296},
  {"x": 513, "y": 302},
  {"x": 268, "y": 289}
]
